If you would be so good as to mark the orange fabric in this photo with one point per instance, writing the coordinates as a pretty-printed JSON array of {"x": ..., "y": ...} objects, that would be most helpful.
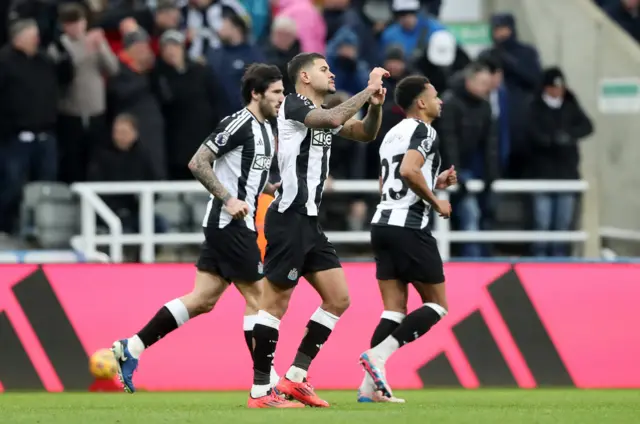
[{"x": 263, "y": 203}]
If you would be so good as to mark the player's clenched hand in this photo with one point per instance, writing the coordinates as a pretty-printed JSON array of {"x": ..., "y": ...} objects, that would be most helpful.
[
  {"x": 443, "y": 207},
  {"x": 375, "y": 79},
  {"x": 237, "y": 208},
  {"x": 447, "y": 178}
]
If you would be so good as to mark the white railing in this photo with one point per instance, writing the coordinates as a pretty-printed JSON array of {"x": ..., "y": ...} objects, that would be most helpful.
[{"x": 91, "y": 204}]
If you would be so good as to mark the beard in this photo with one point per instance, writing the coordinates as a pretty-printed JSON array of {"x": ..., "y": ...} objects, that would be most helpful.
[{"x": 267, "y": 110}]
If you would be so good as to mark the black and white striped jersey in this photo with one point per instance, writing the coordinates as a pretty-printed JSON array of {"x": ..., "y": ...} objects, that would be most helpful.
[
  {"x": 244, "y": 148},
  {"x": 303, "y": 157},
  {"x": 399, "y": 205}
]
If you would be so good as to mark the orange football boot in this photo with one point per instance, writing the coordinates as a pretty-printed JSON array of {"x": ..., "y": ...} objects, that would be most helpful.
[
  {"x": 302, "y": 392},
  {"x": 272, "y": 400}
]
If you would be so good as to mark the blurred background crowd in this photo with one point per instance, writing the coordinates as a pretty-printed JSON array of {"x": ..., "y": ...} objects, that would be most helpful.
[{"x": 126, "y": 90}]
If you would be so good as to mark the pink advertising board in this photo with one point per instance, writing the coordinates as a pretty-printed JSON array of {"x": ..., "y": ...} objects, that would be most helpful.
[{"x": 528, "y": 325}]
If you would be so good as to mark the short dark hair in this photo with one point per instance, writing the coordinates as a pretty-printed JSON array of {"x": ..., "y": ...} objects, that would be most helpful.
[
  {"x": 300, "y": 61},
  {"x": 408, "y": 90},
  {"x": 491, "y": 60},
  {"x": 258, "y": 77},
  {"x": 69, "y": 13}
]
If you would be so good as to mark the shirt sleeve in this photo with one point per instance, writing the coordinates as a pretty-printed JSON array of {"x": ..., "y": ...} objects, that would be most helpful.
[
  {"x": 226, "y": 137},
  {"x": 297, "y": 107},
  {"x": 423, "y": 140}
]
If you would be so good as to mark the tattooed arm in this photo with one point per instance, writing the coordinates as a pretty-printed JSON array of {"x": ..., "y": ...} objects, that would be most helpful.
[
  {"x": 202, "y": 169},
  {"x": 365, "y": 130},
  {"x": 334, "y": 117}
]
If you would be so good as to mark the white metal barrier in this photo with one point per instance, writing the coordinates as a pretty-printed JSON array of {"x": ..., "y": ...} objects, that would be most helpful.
[{"x": 92, "y": 205}]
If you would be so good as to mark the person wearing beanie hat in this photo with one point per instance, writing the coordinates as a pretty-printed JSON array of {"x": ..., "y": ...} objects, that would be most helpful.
[
  {"x": 556, "y": 124},
  {"x": 236, "y": 52}
]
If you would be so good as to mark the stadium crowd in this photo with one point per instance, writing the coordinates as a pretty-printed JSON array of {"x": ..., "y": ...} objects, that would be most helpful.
[{"x": 122, "y": 90}]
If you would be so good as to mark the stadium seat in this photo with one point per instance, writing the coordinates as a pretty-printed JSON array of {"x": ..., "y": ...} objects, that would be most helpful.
[
  {"x": 49, "y": 213},
  {"x": 175, "y": 212}
]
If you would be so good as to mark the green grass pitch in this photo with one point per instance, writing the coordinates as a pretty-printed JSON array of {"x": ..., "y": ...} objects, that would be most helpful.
[{"x": 427, "y": 406}]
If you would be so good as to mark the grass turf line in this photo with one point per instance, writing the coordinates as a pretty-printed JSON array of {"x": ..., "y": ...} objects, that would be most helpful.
[{"x": 435, "y": 406}]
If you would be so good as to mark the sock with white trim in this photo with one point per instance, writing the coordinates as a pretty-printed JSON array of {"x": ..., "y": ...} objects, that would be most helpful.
[
  {"x": 318, "y": 331},
  {"x": 265, "y": 334},
  {"x": 171, "y": 316},
  {"x": 415, "y": 325}
]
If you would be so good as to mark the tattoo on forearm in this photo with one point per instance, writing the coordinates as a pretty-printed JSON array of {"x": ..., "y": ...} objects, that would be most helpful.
[
  {"x": 340, "y": 113},
  {"x": 372, "y": 121},
  {"x": 201, "y": 168}
]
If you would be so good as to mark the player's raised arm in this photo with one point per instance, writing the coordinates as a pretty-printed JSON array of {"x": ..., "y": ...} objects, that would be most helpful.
[
  {"x": 339, "y": 115},
  {"x": 367, "y": 129}
]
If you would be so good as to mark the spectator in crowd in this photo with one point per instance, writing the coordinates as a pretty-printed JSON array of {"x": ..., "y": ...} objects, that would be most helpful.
[
  {"x": 131, "y": 92},
  {"x": 557, "y": 124},
  {"x": 410, "y": 29},
  {"x": 125, "y": 159},
  {"x": 44, "y": 12},
  {"x": 351, "y": 72},
  {"x": 627, "y": 14},
  {"x": 232, "y": 57},
  {"x": 392, "y": 114},
  {"x": 204, "y": 20},
  {"x": 28, "y": 112},
  {"x": 439, "y": 58},
  {"x": 82, "y": 122},
  {"x": 522, "y": 72},
  {"x": 117, "y": 22},
  {"x": 498, "y": 98},
  {"x": 188, "y": 94},
  {"x": 341, "y": 13},
  {"x": 469, "y": 143},
  {"x": 260, "y": 12},
  {"x": 282, "y": 47},
  {"x": 307, "y": 17},
  {"x": 432, "y": 7}
]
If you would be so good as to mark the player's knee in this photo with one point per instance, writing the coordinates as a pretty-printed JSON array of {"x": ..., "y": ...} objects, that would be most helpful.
[
  {"x": 338, "y": 305},
  {"x": 204, "y": 302}
]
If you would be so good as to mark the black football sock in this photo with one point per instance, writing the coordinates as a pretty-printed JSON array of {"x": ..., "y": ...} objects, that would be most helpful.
[
  {"x": 389, "y": 321},
  {"x": 171, "y": 316},
  {"x": 318, "y": 331},
  {"x": 265, "y": 336},
  {"x": 415, "y": 325},
  {"x": 248, "y": 324}
]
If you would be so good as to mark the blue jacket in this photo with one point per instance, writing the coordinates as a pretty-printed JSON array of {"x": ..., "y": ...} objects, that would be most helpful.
[
  {"x": 395, "y": 34},
  {"x": 350, "y": 80},
  {"x": 228, "y": 64}
]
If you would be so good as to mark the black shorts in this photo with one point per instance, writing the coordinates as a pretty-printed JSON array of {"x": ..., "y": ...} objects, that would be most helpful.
[
  {"x": 296, "y": 245},
  {"x": 406, "y": 254},
  {"x": 232, "y": 253}
]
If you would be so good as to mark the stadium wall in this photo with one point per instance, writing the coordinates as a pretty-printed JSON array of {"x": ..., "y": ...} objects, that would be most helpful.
[
  {"x": 525, "y": 325},
  {"x": 601, "y": 62}
]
